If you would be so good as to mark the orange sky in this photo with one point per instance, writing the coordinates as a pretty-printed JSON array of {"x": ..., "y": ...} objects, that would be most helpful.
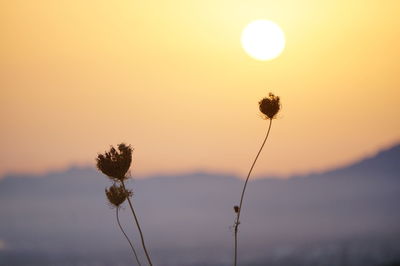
[{"x": 171, "y": 78}]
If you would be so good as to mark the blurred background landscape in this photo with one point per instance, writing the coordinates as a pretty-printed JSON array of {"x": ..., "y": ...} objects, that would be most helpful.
[{"x": 345, "y": 216}]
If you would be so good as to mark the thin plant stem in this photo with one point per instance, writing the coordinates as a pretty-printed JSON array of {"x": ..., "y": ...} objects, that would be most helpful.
[
  {"x": 127, "y": 238},
  {"x": 237, "y": 221},
  {"x": 138, "y": 226}
]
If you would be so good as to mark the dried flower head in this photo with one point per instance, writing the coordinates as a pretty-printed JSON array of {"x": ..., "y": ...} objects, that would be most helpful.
[
  {"x": 270, "y": 106},
  {"x": 115, "y": 164},
  {"x": 116, "y": 195},
  {"x": 236, "y": 208}
]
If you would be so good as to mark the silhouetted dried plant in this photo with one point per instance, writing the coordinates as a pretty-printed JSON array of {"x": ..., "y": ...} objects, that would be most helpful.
[
  {"x": 116, "y": 195},
  {"x": 270, "y": 107},
  {"x": 115, "y": 164}
]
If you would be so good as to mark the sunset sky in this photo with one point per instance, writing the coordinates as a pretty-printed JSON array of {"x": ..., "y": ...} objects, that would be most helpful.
[{"x": 171, "y": 78}]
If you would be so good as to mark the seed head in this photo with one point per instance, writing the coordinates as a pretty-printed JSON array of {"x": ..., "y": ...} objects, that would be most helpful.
[
  {"x": 236, "y": 208},
  {"x": 116, "y": 195},
  {"x": 270, "y": 106},
  {"x": 115, "y": 164}
]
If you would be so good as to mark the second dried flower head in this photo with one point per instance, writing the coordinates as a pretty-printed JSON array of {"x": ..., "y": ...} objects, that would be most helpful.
[{"x": 116, "y": 195}]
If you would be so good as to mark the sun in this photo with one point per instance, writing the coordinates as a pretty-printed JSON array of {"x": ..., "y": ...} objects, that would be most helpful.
[{"x": 263, "y": 40}]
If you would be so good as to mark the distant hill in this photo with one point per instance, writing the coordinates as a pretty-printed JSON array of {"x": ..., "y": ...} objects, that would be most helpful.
[
  {"x": 346, "y": 216},
  {"x": 386, "y": 162}
]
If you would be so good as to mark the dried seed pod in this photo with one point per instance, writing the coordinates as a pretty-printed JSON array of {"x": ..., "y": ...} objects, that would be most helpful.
[
  {"x": 116, "y": 195},
  {"x": 270, "y": 106},
  {"x": 115, "y": 164}
]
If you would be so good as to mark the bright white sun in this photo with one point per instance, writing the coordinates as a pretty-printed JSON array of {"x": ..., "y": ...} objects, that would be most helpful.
[{"x": 263, "y": 40}]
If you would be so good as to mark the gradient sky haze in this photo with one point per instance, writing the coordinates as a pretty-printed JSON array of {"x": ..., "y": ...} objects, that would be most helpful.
[{"x": 171, "y": 78}]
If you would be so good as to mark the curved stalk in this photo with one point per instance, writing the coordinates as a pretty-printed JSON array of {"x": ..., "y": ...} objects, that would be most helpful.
[
  {"x": 237, "y": 221},
  {"x": 138, "y": 226},
  {"x": 130, "y": 243}
]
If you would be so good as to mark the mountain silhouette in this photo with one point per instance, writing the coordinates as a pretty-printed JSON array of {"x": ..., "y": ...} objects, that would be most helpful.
[{"x": 347, "y": 216}]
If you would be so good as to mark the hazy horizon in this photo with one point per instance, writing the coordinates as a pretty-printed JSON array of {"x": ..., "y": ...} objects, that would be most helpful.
[{"x": 206, "y": 171}]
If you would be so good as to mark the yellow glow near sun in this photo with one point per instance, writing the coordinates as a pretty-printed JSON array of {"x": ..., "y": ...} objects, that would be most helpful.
[{"x": 263, "y": 40}]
